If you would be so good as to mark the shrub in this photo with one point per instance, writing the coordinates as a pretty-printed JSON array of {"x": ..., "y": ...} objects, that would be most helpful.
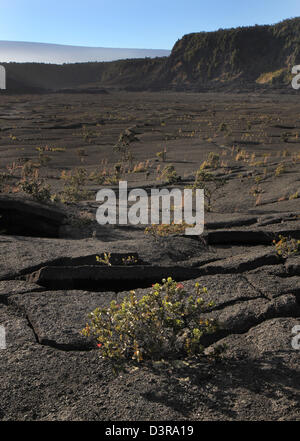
[
  {"x": 141, "y": 167},
  {"x": 4, "y": 177},
  {"x": 118, "y": 170},
  {"x": 123, "y": 149},
  {"x": 280, "y": 170},
  {"x": 58, "y": 149},
  {"x": 73, "y": 186},
  {"x": 165, "y": 323},
  {"x": 223, "y": 127},
  {"x": 170, "y": 175},
  {"x": 212, "y": 161},
  {"x": 43, "y": 159},
  {"x": 294, "y": 196},
  {"x": 105, "y": 260},
  {"x": 33, "y": 185},
  {"x": 286, "y": 246},
  {"x": 162, "y": 155},
  {"x": 98, "y": 176},
  {"x": 166, "y": 230},
  {"x": 36, "y": 188},
  {"x": 129, "y": 260},
  {"x": 29, "y": 169},
  {"x": 209, "y": 183},
  {"x": 242, "y": 155},
  {"x": 284, "y": 136}
]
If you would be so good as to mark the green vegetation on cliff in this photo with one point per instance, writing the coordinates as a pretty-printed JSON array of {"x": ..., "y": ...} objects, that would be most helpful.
[{"x": 244, "y": 54}]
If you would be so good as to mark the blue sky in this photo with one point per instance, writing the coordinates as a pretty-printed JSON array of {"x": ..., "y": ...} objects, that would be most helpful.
[{"x": 131, "y": 23}]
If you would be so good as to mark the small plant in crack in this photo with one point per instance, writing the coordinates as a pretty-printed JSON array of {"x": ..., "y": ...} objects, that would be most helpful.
[
  {"x": 280, "y": 170},
  {"x": 4, "y": 177},
  {"x": 105, "y": 259},
  {"x": 169, "y": 175},
  {"x": 286, "y": 246},
  {"x": 212, "y": 161},
  {"x": 34, "y": 186},
  {"x": 209, "y": 183},
  {"x": 166, "y": 230},
  {"x": 73, "y": 189},
  {"x": 162, "y": 156},
  {"x": 129, "y": 260},
  {"x": 166, "y": 323}
]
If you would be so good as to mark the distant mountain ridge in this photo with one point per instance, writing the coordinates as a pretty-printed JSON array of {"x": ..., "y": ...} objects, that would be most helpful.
[
  {"x": 228, "y": 59},
  {"x": 26, "y": 52}
]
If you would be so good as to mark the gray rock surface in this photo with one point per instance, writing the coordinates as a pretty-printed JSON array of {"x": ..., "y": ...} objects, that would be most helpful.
[
  {"x": 52, "y": 372},
  {"x": 57, "y": 317}
]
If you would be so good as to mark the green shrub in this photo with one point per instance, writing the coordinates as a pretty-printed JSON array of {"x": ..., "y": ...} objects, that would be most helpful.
[
  {"x": 294, "y": 196},
  {"x": 36, "y": 188},
  {"x": 74, "y": 182},
  {"x": 166, "y": 230},
  {"x": 129, "y": 260},
  {"x": 170, "y": 175},
  {"x": 98, "y": 176},
  {"x": 4, "y": 177},
  {"x": 33, "y": 185},
  {"x": 105, "y": 260},
  {"x": 44, "y": 159},
  {"x": 209, "y": 183},
  {"x": 162, "y": 155},
  {"x": 286, "y": 246},
  {"x": 280, "y": 170},
  {"x": 166, "y": 323},
  {"x": 213, "y": 161}
]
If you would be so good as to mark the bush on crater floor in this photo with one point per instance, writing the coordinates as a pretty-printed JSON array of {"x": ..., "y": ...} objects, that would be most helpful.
[
  {"x": 74, "y": 183},
  {"x": 166, "y": 323},
  {"x": 286, "y": 246},
  {"x": 165, "y": 230},
  {"x": 34, "y": 186}
]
